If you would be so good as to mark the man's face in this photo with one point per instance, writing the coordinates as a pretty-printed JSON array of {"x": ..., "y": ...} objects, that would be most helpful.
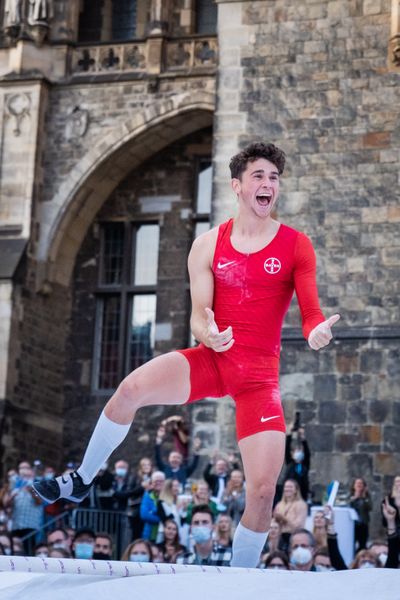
[
  {"x": 258, "y": 188},
  {"x": 158, "y": 483},
  {"x": 221, "y": 467},
  {"x": 300, "y": 544},
  {"x": 237, "y": 478},
  {"x": 202, "y": 520},
  {"x": 175, "y": 460},
  {"x": 103, "y": 545},
  {"x": 57, "y": 538}
]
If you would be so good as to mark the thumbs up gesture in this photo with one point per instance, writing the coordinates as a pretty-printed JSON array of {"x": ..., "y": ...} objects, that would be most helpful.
[{"x": 321, "y": 335}]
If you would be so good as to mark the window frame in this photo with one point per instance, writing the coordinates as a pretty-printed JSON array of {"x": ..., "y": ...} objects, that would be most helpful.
[{"x": 126, "y": 291}]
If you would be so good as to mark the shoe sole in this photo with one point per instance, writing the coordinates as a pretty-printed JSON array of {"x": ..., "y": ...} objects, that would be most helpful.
[{"x": 51, "y": 501}]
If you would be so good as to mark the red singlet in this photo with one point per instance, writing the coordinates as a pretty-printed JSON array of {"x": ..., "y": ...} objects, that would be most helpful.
[{"x": 252, "y": 293}]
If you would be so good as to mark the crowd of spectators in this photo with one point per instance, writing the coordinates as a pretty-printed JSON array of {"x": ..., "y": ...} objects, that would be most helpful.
[{"x": 171, "y": 517}]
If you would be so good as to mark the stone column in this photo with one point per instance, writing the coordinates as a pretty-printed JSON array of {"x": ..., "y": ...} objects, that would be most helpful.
[
  {"x": 20, "y": 116},
  {"x": 230, "y": 121}
]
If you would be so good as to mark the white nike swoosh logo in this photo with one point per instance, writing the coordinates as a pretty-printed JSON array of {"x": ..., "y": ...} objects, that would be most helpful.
[
  {"x": 264, "y": 419},
  {"x": 223, "y": 265}
]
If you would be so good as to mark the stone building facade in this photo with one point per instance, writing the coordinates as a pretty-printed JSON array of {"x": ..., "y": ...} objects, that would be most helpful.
[{"x": 111, "y": 114}]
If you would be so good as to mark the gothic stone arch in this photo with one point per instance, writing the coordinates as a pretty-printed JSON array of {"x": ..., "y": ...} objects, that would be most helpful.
[{"x": 65, "y": 220}]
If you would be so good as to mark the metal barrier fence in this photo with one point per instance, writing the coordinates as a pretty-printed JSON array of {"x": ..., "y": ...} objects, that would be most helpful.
[{"x": 112, "y": 522}]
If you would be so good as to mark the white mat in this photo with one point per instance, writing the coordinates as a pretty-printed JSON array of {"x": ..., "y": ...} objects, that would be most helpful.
[{"x": 361, "y": 584}]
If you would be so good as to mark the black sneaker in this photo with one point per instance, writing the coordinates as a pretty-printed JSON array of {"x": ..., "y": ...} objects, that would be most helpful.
[{"x": 68, "y": 487}]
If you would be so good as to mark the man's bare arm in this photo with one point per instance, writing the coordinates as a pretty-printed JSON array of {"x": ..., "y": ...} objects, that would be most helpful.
[{"x": 202, "y": 321}]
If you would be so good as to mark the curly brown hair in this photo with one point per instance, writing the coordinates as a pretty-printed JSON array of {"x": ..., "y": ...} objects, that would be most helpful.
[{"x": 253, "y": 152}]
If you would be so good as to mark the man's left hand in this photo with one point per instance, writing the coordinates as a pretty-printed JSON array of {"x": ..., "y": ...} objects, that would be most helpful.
[{"x": 321, "y": 335}]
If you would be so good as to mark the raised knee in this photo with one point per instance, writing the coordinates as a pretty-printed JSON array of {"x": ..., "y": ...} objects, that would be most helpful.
[{"x": 130, "y": 391}]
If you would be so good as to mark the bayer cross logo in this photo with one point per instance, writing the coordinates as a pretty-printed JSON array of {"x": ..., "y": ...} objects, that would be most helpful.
[{"x": 272, "y": 265}]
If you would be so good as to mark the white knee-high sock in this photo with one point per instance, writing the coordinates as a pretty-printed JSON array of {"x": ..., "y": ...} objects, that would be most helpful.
[
  {"x": 106, "y": 436},
  {"x": 247, "y": 547}
]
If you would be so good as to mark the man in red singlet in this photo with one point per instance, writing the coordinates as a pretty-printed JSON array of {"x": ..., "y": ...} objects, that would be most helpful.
[{"x": 242, "y": 278}]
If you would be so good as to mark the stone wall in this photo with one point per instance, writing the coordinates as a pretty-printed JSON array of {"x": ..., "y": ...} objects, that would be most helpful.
[{"x": 313, "y": 77}]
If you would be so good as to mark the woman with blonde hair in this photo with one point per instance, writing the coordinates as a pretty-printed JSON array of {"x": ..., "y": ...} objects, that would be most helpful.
[
  {"x": 319, "y": 529},
  {"x": 291, "y": 511},
  {"x": 140, "y": 484},
  {"x": 168, "y": 501}
]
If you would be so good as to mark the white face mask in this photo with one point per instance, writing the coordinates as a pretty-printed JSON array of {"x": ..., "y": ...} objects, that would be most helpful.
[
  {"x": 367, "y": 565},
  {"x": 301, "y": 556},
  {"x": 323, "y": 568},
  {"x": 298, "y": 455},
  {"x": 383, "y": 558}
]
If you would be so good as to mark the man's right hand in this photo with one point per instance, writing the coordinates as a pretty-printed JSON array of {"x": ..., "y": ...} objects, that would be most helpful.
[{"x": 214, "y": 339}]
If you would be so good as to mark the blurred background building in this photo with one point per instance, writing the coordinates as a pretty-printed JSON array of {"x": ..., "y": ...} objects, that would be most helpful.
[{"x": 117, "y": 122}]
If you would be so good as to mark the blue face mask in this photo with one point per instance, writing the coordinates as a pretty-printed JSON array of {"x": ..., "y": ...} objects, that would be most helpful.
[
  {"x": 121, "y": 472},
  {"x": 201, "y": 534},
  {"x": 84, "y": 550},
  {"x": 139, "y": 558}
]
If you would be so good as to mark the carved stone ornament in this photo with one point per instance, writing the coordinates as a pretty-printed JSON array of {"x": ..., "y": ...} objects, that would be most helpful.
[
  {"x": 40, "y": 11},
  {"x": 12, "y": 13},
  {"x": 18, "y": 106},
  {"x": 77, "y": 123}
]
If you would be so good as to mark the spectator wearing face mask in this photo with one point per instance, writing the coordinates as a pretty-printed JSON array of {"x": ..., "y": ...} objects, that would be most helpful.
[
  {"x": 59, "y": 553},
  {"x": 59, "y": 538},
  {"x": 322, "y": 561},
  {"x": 297, "y": 459},
  {"x": 206, "y": 551},
  {"x": 83, "y": 543},
  {"x": 123, "y": 486},
  {"x": 138, "y": 551},
  {"x": 276, "y": 560},
  {"x": 301, "y": 550},
  {"x": 380, "y": 549},
  {"x": 103, "y": 547},
  {"x": 365, "y": 558}
]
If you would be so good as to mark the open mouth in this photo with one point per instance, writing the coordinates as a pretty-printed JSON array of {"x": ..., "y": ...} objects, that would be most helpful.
[{"x": 264, "y": 199}]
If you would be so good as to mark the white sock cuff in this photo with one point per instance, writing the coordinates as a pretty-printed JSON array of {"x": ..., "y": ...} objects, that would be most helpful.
[
  {"x": 257, "y": 537},
  {"x": 112, "y": 431}
]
